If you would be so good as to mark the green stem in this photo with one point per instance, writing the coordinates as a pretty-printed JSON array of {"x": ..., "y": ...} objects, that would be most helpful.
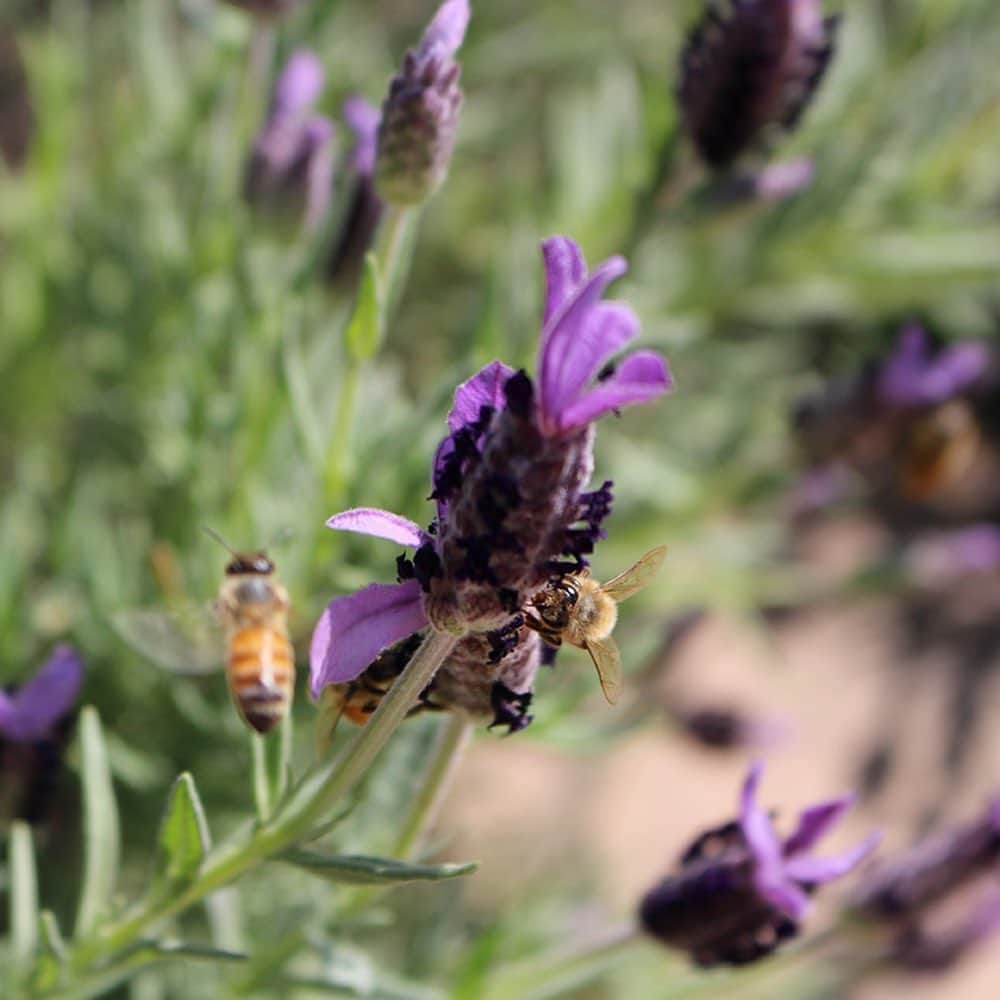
[
  {"x": 555, "y": 973},
  {"x": 393, "y": 259},
  {"x": 295, "y": 820},
  {"x": 451, "y": 742}
]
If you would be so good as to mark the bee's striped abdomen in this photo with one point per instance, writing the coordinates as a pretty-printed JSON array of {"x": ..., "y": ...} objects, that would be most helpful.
[{"x": 261, "y": 670}]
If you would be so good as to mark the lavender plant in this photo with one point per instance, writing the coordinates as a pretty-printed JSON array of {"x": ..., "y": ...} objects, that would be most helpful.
[{"x": 167, "y": 364}]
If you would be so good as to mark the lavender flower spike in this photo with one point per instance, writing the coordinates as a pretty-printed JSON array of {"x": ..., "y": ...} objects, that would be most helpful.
[
  {"x": 420, "y": 114},
  {"x": 751, "y": 69},
  {"x": 291, "y": 165},
  {"x": 33, "y": 710},
  {"x": 509, "y": 481},
  {"x": 741, "y": 889}
]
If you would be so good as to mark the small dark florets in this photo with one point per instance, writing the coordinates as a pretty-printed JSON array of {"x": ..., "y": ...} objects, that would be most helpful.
[
  {"x": 510, "y": 708},
  {"x": 504, "y": 640}
]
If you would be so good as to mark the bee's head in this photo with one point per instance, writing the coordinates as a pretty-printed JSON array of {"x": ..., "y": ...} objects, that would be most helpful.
[{"x": 256, "y": 563}]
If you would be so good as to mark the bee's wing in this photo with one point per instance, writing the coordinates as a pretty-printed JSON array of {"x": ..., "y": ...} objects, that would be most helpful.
[
  {"x": 190, "y": 643},
  {"x": 636, "y": 577},
  {"x": 608, "y": 661}
]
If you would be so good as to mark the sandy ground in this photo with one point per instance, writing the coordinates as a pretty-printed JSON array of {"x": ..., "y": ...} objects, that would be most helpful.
[{"x": 828, "y": 679}]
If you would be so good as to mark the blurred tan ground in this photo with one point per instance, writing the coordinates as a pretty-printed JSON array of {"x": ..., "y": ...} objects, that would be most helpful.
[{"x": 528, "y": 811}]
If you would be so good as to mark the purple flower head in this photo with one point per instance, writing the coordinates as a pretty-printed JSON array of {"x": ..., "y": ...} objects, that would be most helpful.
[
  {"x": 291, "y": 165},
  {"x": 420, "y": 114},
  {"x": 914, "y": 375},
  {"x": 509, "y": 483},
  {"x": 907, "y": 885},
  {"x": 949, "y": 556},
  {"x": 741, "y": 889},
  {"x": 32, "y": 712},
  {"x": 749, "y": 70}
]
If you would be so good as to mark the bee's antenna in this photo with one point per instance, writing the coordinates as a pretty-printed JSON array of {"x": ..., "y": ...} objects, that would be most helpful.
[{"x": 212, "y": 533}]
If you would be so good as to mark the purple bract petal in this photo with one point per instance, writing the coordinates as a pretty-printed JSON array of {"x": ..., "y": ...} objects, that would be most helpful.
[
  {"x": 299, "y": 84},
  {"x": 815, "y": 871},
  {"x": 447, "y": 30},
  {"x": 815, "y": 823},
  {"x": 380, "y": 524},
  {"x": 565, "y": 271},
  {"x": 483, "y": 389},
  {"x": 34, "y": 709},
  {"x": 913, "y": 377},
  {"x": 639, "y": 378},
  {"x": 362, "y": 118},
  {"x": 354, "y": 629}
]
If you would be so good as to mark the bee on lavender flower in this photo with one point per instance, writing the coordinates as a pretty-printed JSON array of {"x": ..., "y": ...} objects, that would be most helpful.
[{"x": 581, "y": 611}]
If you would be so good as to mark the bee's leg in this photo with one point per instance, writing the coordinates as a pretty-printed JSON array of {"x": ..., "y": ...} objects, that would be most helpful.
[{"x": 535, "y": 623}]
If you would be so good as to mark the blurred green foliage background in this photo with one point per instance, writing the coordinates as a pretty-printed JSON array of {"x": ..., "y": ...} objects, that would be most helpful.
[{"x": 167, "y": 362}]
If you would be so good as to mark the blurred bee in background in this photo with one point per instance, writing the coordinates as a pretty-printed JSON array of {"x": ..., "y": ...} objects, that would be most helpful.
[
  {"x": 252, "y": 608},
  {"x": 575, "y": 608},
  {"x": 260, "y": 662}
]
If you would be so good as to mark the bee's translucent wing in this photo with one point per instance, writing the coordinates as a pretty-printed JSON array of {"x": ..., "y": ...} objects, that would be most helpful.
[
  {"x": 191, "y": 643},
  {"x": 608, "y": 661},
  {"x": 636, "y": 577}
]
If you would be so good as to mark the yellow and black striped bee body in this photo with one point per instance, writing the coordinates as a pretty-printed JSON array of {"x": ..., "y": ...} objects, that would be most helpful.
[{"x": 260, "y": 663}]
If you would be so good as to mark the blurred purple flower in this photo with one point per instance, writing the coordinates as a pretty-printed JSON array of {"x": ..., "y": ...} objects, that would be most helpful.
[
  {"x": 291, "y": 164},
  {"x": 35, "y": 708},
  {"x": 420, "y": 114},
  {"x": 508, "y": 480},
  {"x": 724, "y": 728},
  {"x": 914, "y": 375},
  {"x": 364, "y": 207},
  {"x": 920, "y": 950},
  {"x": 950, "y": 555},
  {"x": 741, "y": 889},
  {"x": 908, "y": 884},
  {"x": 754, "y": 67}
]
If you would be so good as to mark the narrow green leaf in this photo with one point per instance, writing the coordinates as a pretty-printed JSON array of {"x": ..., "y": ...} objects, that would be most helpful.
[
  {"x": 364, "y": 331},
  {"x": 183, "y": 840},
  {"x": 357, "y": 869},
  {"x": 102, "y": 838},
  {"x": 23, "y": 895},
  {"x": 271, "y": 756},
  {"x": 49, "y": 965}
]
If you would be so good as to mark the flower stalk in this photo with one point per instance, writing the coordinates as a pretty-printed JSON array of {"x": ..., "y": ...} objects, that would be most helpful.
[{"x": 296, "y": 820}]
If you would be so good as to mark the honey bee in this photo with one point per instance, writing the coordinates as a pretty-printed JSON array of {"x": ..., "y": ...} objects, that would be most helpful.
[
  {"x": 260, "y": 663},
  {"x": 939, "y": 449},
  {"x": 577, "y": 609},
  {"x": 252, "y": 607}
]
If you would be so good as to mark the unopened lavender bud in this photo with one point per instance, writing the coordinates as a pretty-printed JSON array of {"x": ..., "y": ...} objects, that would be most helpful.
[
  {"x": 421, "y": 112},
  {"x": 749, "y": 69},
  {"x": 740, "y": 890},
  {"x": 291, "y": 165}
]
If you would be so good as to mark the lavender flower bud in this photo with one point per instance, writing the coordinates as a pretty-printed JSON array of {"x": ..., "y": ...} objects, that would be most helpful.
[
  {"x": 17, "y": 117},
  {"x": 921, "y": 950},
  {"x": 932, "y": 869},
  {"x": 291, "y": 166},
  {"x": 751, "y": 68},
  {"x": 739, "y": 890},
  {"x": 420, "y": 114}
]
